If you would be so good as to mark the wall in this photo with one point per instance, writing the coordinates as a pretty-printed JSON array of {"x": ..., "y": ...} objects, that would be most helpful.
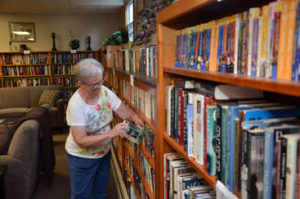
[{"x": 99, "y": 27}]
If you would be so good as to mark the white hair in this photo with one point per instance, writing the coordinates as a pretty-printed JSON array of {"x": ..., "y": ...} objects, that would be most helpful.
[{"x": 87, "y": 68}]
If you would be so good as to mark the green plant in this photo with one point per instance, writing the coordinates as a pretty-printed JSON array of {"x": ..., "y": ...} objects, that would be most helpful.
[
  {"x": 119, "y": 37},
  {"x": 74, "y": 44}
]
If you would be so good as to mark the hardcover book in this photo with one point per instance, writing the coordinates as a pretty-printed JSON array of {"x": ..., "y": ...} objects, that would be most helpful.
[{"x": 135, "y": 133}]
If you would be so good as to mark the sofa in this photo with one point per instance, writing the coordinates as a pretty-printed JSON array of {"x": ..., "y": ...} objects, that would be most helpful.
[{"x": 16, "y": 102}]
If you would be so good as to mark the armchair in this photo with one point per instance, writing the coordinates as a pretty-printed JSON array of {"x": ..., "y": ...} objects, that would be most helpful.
[{"x": 21, "y": 162}]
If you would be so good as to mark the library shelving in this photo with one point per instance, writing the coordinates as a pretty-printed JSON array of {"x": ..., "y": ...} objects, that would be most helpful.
[
  {"x": 108, "y": 57},
  {"x": 62, "y": 67},
  {"x": 187, "y": 13},
  {"x": 139, "y": 93},
  {"x": 33, "y": 68}
]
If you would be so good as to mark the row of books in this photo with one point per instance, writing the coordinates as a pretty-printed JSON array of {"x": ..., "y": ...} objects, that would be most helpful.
[
  {"x": 144, "y": 165},
  {"x": 65, "y": 81},
  {"x": 65, "y": 69},
  {"x": 211, "y": 132},
  {"x": 67, "y": 93},
  {"x": 70, "y": 58},
  {"x": 270, "y": 156},
  {"x": 148, "y": 141},
  {"x": 17, "y": 59},
  {"x": 134, "y": 175},
  {"x": 144, "y": 102},
  {"x": 130, "y": 188},
  {"x": 260, "y": 42},
  {"x": 148, "y": 172},
  {"x": 181, "y": 181},
  {"x": 25, "y": 70},
  {"x": 141, "y": 61},
  {"x": 141, "y": 99},
  {"x": 26, "y": 82}
]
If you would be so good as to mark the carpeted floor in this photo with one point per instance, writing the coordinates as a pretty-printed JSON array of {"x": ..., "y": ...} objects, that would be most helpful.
[{"x": 60, "y": 188}]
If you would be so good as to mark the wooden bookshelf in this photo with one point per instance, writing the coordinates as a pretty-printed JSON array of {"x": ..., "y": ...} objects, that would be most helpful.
[
  {"x": 50, "y": 60},
  {"x": 272, "y": 85},
  {"x": 187, "y": 13},
  {"x": 147, "y": 84}
]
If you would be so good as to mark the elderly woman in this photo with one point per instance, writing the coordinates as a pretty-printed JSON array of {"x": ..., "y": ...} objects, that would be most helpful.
[{"x": 89, "y": 114}]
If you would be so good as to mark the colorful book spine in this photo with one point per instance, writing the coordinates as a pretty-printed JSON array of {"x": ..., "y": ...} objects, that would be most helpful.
[
  {"x": 296, "y": 55},
  {"x": 211, "y": 134},
  {"x": 213, "y": 50},
  {"x": 268, "y": 164},
  {"x": 287, "y": 29},
  {"x": 189, "y": 124}
]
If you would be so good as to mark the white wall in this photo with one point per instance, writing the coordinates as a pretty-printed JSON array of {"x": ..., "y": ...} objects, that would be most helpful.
[{"x": 99, "y": 27}]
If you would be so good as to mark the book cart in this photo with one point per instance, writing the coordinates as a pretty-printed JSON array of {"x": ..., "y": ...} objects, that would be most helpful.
[{"x": 187, "y": 13}]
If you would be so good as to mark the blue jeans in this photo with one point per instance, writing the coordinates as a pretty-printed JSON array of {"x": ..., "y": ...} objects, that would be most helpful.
[{"x": 89, "y": 177}]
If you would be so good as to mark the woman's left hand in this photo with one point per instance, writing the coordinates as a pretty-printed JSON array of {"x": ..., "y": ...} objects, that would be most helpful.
[{"x": 138, "y": 122}]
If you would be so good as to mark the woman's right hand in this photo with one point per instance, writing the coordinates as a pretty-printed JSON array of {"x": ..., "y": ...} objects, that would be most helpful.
[{"x": 120, "y": 129}]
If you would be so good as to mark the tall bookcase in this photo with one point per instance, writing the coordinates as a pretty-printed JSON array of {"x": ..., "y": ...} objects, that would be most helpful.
[
  {"x": 186, "y": 13},
  {"x": 62, "y": 68},
  {"x": 19, "y": 69},
  {"x": 139, "y": 93}
]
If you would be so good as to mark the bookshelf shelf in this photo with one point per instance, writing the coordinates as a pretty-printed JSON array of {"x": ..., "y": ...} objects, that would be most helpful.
[
  {"x": 63, "y": 75},
  {"x": 273, "y": 85},
  {"x": 143, "y": 80},
  {"x": 192, "y": 12},
  {"x": 20, "y": 76},
  {"x": 211, "y": 180},
  {"x": 149, "y": 157},
  {"x": 22, "y": 65},
  {"x": 62, "y": 63}
]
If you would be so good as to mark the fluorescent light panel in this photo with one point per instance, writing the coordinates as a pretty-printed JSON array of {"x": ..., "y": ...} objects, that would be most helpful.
[
  {"x": 21, "y": 32},
  {"x": 98, "y": 2}
]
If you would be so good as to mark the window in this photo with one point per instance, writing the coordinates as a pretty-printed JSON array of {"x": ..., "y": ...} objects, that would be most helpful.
[{"x": 129, "y": 19}]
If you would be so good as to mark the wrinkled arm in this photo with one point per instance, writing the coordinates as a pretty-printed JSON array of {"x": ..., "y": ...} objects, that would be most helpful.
[{"x": 81, "y": 137}]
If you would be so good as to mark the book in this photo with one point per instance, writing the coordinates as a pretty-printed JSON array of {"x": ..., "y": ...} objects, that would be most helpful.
[
  {"x": 255, "y": 153},
  {"x": 271, "y": 153},
  {"x": 135, "y": 133},
  {"x": 291, "y": 164},
  {"x": 227, "y": 91},
  {"x": 168, "y": 158}
]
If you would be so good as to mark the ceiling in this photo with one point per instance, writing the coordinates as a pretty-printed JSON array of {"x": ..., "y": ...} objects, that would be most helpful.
[{"x": 60, "y": 6}]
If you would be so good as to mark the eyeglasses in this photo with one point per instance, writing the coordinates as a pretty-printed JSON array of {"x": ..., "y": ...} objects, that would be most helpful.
[{"x": 96, "y": 85}]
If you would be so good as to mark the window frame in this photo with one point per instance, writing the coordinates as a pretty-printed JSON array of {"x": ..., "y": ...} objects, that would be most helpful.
[{"x": 129, "y": 25}]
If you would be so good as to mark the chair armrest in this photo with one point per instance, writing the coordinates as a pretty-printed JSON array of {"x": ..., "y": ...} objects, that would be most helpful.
[
  {"x": 47, "y": 106},
  {"x": 6, "y": 160},
  {"x": 60, "y": 108},
  {"x": 24, "y": 138}
]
